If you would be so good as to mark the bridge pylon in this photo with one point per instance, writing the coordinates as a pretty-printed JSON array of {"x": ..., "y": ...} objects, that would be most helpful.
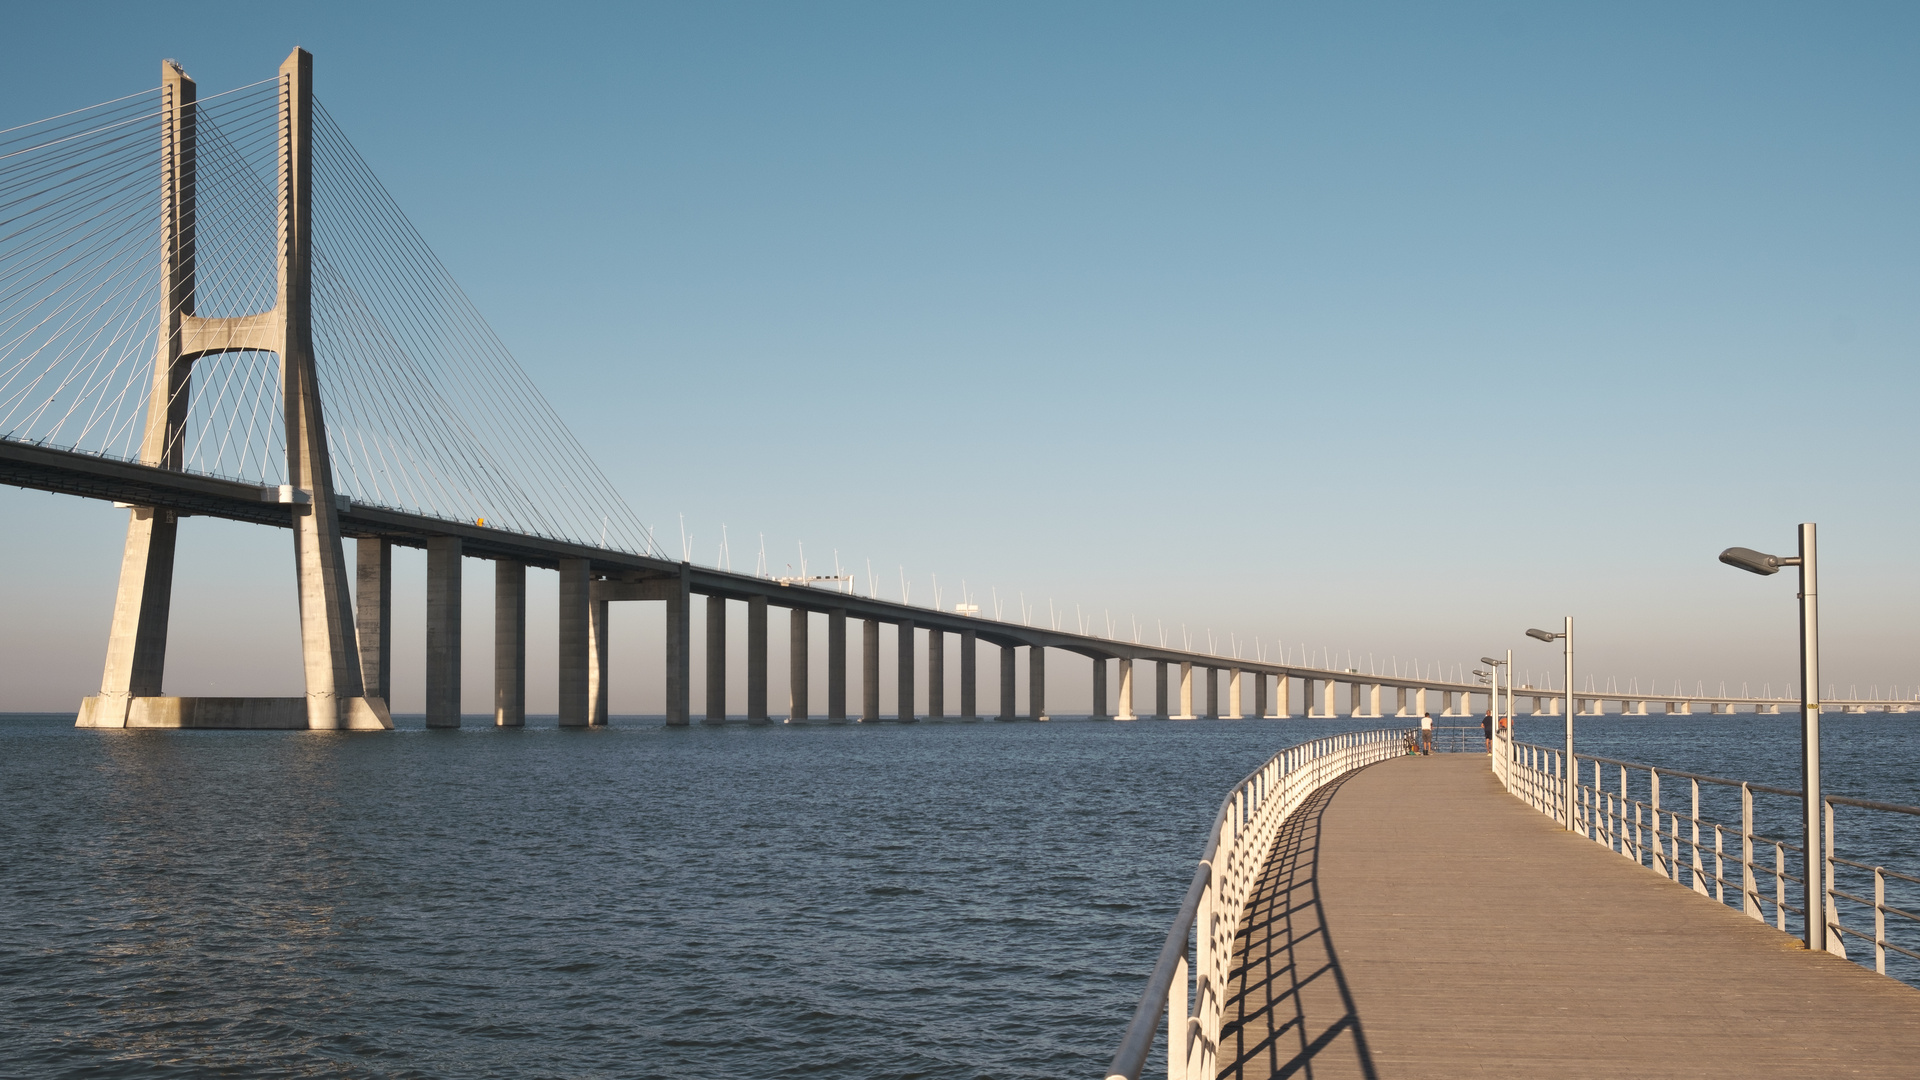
[{"x": 136, "y": 647}]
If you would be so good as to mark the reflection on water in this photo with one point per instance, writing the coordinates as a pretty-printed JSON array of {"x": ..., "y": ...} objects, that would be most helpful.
[{"x": 937, "y": 900}]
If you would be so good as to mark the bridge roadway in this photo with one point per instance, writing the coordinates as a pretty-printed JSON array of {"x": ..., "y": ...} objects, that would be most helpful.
[
  {"x": 1415, "y": 920},
  {"x": 626, "y": 575}
]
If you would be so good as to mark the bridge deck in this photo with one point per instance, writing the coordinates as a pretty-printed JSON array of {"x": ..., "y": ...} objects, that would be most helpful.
[{"x": 1416, "y": 920}]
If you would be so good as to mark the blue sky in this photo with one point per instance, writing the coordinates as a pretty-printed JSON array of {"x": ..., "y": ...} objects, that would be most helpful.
[{"x": 1386, "y": 329}]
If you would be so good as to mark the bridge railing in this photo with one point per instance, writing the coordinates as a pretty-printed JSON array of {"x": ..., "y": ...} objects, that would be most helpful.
[
  {"x": 1188, "y": 984},
  {"x": 1665, "y": 820}
]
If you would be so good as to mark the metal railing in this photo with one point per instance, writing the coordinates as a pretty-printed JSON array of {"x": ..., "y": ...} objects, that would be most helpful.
[
  {"x": 1192, "y": 995},
  {"x": 1642, "y": 818}
]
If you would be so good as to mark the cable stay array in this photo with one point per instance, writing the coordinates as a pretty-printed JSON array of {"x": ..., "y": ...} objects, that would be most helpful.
[{"x": 426, "y": 410}]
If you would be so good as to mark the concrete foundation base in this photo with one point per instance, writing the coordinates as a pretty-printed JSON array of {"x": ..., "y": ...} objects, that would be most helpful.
[{"x": 224, "y": 714}]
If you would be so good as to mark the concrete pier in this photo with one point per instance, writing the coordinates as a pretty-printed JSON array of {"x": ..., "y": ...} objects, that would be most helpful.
[
  {"x": 797, "y": 666},
  {"x": 757, "y": 660},
  {"x": 575, "y": 592},
  {"x": 1233, "y": 694},
  {"x": 1415, "y": 920},
  {"x": 716, "y": 659},
  {"x": 1160, "y": 690},
  {"x": 509, "y": 643},
  {"x": 1100, "y": 689},
  {"x": 1260, "y": 694},
  {"x": 679, "y": 649},
  {"x": 598, "y": 656},
  {"x": 1283, "y": 697},
  {"x": 1213, "y": 693},
  {"x": 443, "y": 632},
  {"x": 1007, "y": 700},
  {"x": 373, "y": 614},
  {"x": 837, "y": 665},
  {"x": 936, "y": 673},
  {"x": 869, "y": 670},
  {"x": 968, "y": 690},
  {"x": 1126, "y": 688},
  {"x": 1186, "y": 691},
  {"x": 907, "y": 674},
  {"x": 1037, "y": 681}
]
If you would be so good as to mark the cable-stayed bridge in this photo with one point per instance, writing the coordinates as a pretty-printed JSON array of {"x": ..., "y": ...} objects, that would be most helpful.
[{"x": 210, "y": 305}]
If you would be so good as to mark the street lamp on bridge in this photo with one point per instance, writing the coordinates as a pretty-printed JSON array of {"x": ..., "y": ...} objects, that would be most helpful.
[
  {"x": 1755, "y": 562},
  {"x": 1572, "y": 774}
]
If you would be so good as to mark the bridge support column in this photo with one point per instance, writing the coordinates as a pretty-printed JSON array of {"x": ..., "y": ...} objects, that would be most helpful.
[
  {"x": 1100, "y": 689},
  {"x": 757, "y": 660},
  {"x": 837, "y": 666},
  {"x": 1282, "y": 694},
  {"x": 1007, "y": 705},
  {"x": 969, "y": 689},
  {"x": 1420, "y": 701},
  {"x": 598, "y": 624},
  {"x": 1126, "y": 688},
  {"x": 373, "y": 614},
  {"x": 797, "y": 666},
  {"x": 904, "y": 681},
  {"x": 1160, "y": 689},
  {"x": 716, "y": 659},
  {"x": 679, "y": 649},
  {"x": 1330, "y": 708},
  {"x": 1260, "y": 694},
  {"x": 1373, "y": 700},
  {"x": 1310, "y": 689},
  {"x": 1401, "y": 706},
  {"x": 936, "y": 673},
  {"x": 443, "y": 632},
  {"x": 575, "y": 590},
  {"x": 1355, "y": 696},
  {"x": 509, "y": 643},
  {"x": 1037, "y": 681},
  {"x": 869, "y": 670},
  {"x": 1186, "y": 691},
  {"x": 1213, "y": 693},
  {"x": 1233, "y": 694}
]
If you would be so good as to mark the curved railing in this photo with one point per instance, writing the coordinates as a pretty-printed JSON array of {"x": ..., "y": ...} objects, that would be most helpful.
[
  {"x": 1191, "y": 997},
  {"x": 1670, "y": 829}
]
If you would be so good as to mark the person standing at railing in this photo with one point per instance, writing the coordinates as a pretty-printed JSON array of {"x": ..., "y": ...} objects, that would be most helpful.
[
  {"x": 1426, "y": 735},
  {"x": 1486, "y": 727}
]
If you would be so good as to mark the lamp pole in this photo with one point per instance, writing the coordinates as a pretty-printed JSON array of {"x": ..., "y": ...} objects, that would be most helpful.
[
  {"x": 1812, "y": 887},
  {"x": 1571, "y": 774}
]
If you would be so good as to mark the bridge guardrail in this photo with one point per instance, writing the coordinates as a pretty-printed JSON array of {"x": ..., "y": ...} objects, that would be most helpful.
[
  {"x": 1191, "y": 997},
  {"x": 1678, "y": 843}
]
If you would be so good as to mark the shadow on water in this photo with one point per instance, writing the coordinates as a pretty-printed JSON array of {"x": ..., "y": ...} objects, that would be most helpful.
[{"x": 1289, "y": 1010}]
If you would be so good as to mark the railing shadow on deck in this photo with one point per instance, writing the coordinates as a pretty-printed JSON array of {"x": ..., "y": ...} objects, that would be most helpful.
[{"x": 1289, "y": 1010}]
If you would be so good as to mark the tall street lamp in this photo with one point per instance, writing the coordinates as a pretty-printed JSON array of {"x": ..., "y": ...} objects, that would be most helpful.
[
  {"x": 1493, "y": 700},
  {"x": 1754, "y": 562},
  {"x": 1573, "y": 774}
]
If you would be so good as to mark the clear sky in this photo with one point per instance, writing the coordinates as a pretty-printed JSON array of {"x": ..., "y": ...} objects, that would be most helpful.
[{"x": 1387, "y": 329}]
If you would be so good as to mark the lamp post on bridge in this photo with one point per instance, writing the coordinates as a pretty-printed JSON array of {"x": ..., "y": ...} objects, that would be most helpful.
[
  {"x": 1813, "y": 896},
  {"x": 1572, "y": 774},
  {"x": 1492, "y": 681},
  {"x": 1493, "y": 698}
]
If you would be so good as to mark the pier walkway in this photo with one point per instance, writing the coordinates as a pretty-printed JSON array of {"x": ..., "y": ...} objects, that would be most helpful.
[{"x": 1415, "y": 920}]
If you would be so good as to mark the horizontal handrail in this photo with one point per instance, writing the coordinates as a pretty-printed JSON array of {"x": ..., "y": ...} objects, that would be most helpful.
[
  {"x": 1192, "y": 997},
  {"x": 1652, "y": 835}
]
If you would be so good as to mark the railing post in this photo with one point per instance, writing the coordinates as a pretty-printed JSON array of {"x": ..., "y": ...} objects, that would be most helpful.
[
  {"x": 1879, "y": 921},
  {"x": 1699, "y": 885},
  {"x": 1653, "y": 803},
  {"x": 1780, "y": 887},
  {"x": 1836, "y": 942},
  {"x": 1749, "y": 889}
]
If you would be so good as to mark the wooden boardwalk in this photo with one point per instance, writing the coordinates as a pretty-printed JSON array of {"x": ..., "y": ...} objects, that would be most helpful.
[{"x": 1417, "y": 921}]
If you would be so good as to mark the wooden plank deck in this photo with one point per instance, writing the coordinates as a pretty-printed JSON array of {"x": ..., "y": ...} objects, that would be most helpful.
[{"x": 1415, "y": 920}]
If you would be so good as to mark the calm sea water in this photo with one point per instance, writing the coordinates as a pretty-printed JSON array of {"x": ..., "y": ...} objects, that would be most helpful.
[{"x": 937, "y": 900}]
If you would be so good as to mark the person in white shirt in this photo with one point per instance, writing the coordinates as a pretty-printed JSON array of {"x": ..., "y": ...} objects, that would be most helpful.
[{"x": 1426, "y": 735}]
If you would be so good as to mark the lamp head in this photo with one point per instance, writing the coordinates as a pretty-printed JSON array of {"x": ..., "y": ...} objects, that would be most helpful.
[
  {"x": 1541, "y": 635},
  {"x": 1480, "y": 673},
  {"x": 1491, "y": 660},
  {"x": 1753, "y": 562}
]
